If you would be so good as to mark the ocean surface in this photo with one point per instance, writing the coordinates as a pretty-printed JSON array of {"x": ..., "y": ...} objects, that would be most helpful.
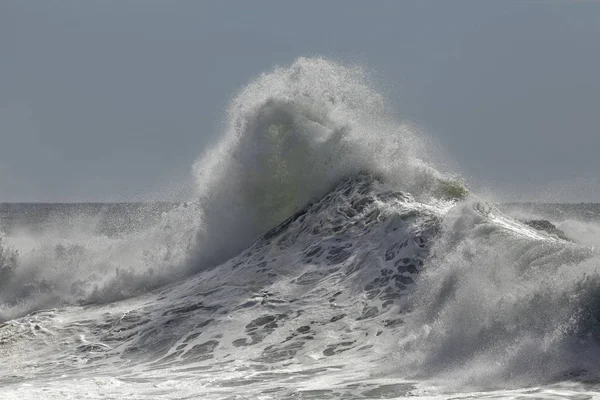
[{"x": 323, "y": 255}]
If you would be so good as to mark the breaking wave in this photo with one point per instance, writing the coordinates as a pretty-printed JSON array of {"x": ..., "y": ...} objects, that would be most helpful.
[
  {"x": 320, "y": 234},
  {"x": 289, "y": 137}
]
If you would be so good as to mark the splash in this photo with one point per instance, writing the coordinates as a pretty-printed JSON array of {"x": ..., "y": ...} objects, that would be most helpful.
[
  {"x": 290, "y": 136},
  {"x": 500, "y": 305},
  {"x": 321, "y": 234}
]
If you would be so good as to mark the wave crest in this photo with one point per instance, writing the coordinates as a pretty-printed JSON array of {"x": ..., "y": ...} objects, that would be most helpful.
[{"x": 291, "y": 135}]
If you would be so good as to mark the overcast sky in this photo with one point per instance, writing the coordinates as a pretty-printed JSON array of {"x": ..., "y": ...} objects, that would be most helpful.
[{"x": 112, "y": 100}]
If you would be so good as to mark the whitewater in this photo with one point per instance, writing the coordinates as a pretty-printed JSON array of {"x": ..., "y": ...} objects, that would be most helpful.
[{"x": 324, "y": 255}]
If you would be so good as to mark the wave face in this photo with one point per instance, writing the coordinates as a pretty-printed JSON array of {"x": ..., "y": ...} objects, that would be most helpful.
[{"x": 323, "y": 258}]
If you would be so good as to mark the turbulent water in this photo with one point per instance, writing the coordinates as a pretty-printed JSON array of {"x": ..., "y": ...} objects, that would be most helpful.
[{"x": 323, "y": 256}]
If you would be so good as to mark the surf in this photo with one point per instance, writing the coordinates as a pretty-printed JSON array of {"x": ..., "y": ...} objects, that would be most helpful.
[
  {"x": 288, "y": 138},
  {"x": 322, "y": 245}
]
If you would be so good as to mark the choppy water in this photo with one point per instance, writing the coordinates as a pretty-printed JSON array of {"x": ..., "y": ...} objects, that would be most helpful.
[{"x": 322, "y": 257}]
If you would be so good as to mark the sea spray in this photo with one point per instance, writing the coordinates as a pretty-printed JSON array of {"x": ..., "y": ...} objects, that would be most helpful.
[
  {"x": 289, "y": 137},
  {"x": 292, "y": 135},
  {"x": 499, "y": 306}
]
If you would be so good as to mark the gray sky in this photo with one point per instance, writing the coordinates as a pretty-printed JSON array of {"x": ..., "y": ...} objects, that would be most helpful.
[{"x": 112, "y": 100}]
